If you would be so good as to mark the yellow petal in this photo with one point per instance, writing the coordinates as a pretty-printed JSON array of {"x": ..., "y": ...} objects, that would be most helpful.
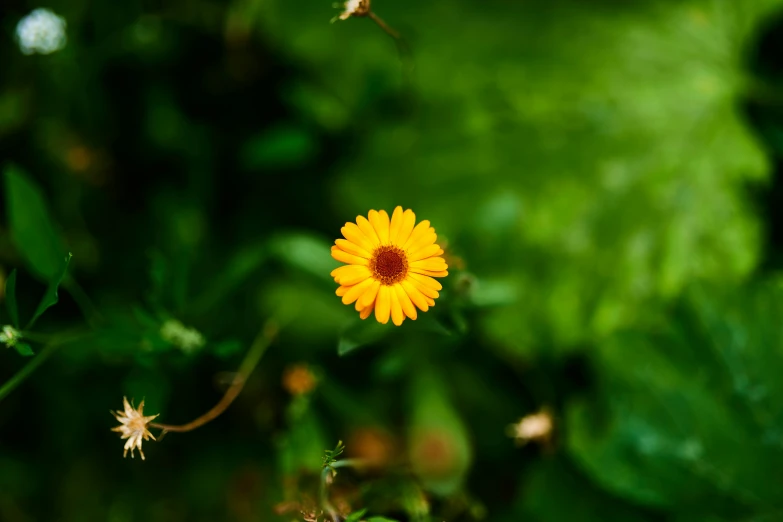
[
  {"x": 345, "y": 257},
  {"x": 354, "y": 234},
  {"x": 424, "y": 252},
  {"x": 408, "y": 220},
  {"x": 430, "y": 302},
  {"x": 380, "y": 222},
  {"x": 432, "y": 283},
  {"x": 372, "y": 292},
  {"x": 424, "y": 289},
  {"x": 430, "y": 273},
  {"x": 396, "y": 308},
  {"x": 396, "y": 225},
  {"x": 356, "y": 291},
  {"x": 367, "y": 230},
  {"x": 405, "y": 301},
  {"x": 417, "y": 232},
  {"x": 422, "y": 241},
  {"x": 352, "y": 275},
  {"x": 383, "y": 305},
  {"x": 417, "y": 297},
  {"x": 366, "y": 312},
  {"x": 342, "y": 290},
  {"x": 352, "y": 248},
  {"x": 433, "y": 264}
]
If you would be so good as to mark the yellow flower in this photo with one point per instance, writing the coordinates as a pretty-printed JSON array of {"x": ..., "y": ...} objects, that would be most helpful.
[
  {"x": 133, "y": 426},
  {"x": 391, "y": 265}
]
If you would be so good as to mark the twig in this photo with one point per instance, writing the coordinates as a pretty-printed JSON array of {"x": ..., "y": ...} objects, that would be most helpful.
[
  {"x": 259, "y": 346},
  {"x": 383, "y": 25}
]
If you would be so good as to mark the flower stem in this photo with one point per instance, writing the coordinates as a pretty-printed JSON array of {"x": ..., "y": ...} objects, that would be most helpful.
[
  {"x": 39, "y": 359},
  {"x": 383, "y": 25},
  {"x": 326, "y": 477},
  {"x": 257, "y": 349}
]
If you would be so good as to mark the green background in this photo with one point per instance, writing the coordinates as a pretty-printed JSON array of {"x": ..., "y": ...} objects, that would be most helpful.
[{"x": 605, "y": 177}]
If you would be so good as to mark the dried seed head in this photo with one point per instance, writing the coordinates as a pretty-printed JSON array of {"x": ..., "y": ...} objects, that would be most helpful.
[{"x": 133, "y": 426}]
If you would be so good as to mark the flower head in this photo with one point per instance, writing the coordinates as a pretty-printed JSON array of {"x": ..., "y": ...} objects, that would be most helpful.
[
  {"x": 354, "y": 8},
  {"x": 299, "y": 379},
  {"x": 537, "y": 426},
  {"x": 41, "y": 32},
  {"x": 10, "y": 336},
  {"x": 390, "y": 265},
  {"x": 133, "y": 426}
]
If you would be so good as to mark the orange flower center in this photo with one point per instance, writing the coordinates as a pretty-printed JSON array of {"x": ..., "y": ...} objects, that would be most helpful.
[{"x": 389, "y": 264}]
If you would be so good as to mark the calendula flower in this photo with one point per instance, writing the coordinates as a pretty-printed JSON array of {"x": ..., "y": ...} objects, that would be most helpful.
[
  {"x": 390, "y": 265},
  {"x": 354, "y": 8},
  {"x": 133, "y": 426}
]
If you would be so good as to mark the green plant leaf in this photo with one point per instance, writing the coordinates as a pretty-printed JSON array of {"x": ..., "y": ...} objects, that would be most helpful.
[
  {"x": 360, "y": 333},
  {"x": 32, "y": 229},
  {"x": 688, "y": 413},
  {"x": 50, "y": 297},
  {"x": 10, "y": 299},
  {"x": 356, "y": 516},
  {"x": 24, "y": 349}
]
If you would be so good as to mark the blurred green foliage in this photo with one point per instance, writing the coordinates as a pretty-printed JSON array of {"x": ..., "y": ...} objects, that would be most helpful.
[{"x": 604, "y": 176}]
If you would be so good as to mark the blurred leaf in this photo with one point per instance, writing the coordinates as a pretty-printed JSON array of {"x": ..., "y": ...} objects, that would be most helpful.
[
  {"x": 554, "y": 491},
  {"x": 307, "y": 252},
  {"x": 32, "y": 229},
  {"x": 281, "y": 147},
  {"x": 690, "y": 412},
  {"x": 50, "y": 298},
  {"x": 360, "y": 333},
  {"x": 24, "y": 349},
  {"x": 10, "y": 299},
  {"x": 438, "y": 445}
]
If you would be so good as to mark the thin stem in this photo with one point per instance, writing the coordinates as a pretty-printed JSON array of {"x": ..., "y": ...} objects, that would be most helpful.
[
  {"x": 33, "y": 365},
  {"x": 326, "y": 477},
  {"x": 259, "y": 346},
  {"x": 383, "y": 25}
]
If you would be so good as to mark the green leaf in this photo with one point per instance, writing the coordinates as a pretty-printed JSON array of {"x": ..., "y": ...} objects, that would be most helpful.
[
  {"x": 360, "y": 333},
  {"x": 50, "y": 298},
  {"x": 33, "y": 231},
  {"x": 307, "y": 252},
  {"x": 688, "y": 413},
  {"x": 24, "y": 349},
  {"x": 356, "y": 516},
  {"x": 10, "y": 299}
]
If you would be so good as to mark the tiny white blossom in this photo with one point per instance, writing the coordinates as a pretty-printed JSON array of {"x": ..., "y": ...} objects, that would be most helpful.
[
  {"x": 354, "y": 8},
  {"x": 41, "y": 32},
  {"x": 10, "y": 336},
  {"x": 537, "y": 426},
  {"x": 184, "y": 338}
]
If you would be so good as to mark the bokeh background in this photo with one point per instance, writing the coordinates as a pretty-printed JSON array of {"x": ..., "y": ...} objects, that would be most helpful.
[{"x": 604, "y": 175}]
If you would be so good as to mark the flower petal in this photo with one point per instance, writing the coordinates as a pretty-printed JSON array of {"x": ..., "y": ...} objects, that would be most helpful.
[
  {"x": 408, "y": 220},
  {"x": 405, "y": 301},
  {"x": 430, "y": 273},
  {"x": 354, "y": 234},
  {"x": 417, "y": 297},
  {"x": 367, "y": 230},
  {"x": 383, "y": 305},
  {"x": 345, "y": 257},
  {"x": 417, "y": 232},
  {"x": 356, "y": 291},
  {"x": 365, "y": 313},
  {"x": 424, "y": 289},
  {"x": 433, "y": 264},
  {"x": 422, "y": 242},
  {"x": 424, "y": 252},
  {"x": 372, "y": 292},
  {"x": 348, "y": 272},
  {"x": 352, "y": 248},
  {"x": 380, "y": 222},
  {"x": 425, "y": 280},
  {"x": 396, "y": 225},
  {"x": 396, "y": 308}
]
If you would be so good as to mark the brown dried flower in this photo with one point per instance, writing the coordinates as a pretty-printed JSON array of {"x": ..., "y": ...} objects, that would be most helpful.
[
  {"x": 133, "y": 426},
  {"x": 355, "y": 8}
]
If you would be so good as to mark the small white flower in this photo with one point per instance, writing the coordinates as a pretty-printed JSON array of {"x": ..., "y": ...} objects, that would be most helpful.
[
  {"x": 133, "y": 426},
  {"x": 354, "y": 8},
  {"x": 184, "y": 338},
  {"x": 10, "y": 336},
  {"x": 41, "y": 32},
  {"x": 537, "y": 426}
]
